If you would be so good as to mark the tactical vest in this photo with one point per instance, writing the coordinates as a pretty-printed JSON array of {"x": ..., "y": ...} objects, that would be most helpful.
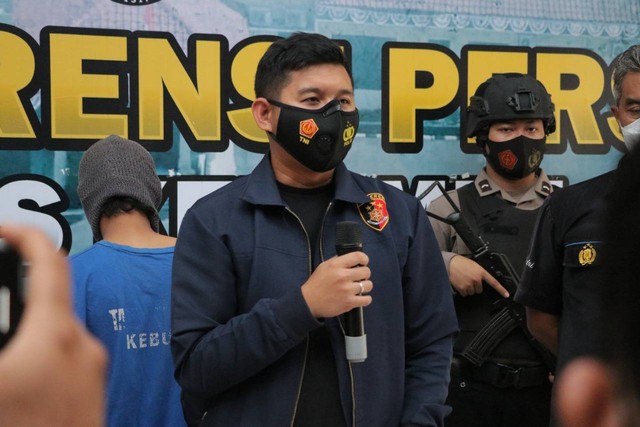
[{"x": 508, "y": 230}]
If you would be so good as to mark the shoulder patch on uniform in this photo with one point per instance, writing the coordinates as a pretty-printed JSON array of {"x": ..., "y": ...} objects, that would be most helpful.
[
  {"x": 374, "y": 213},
  {"x": 545, "y": 187},
  {"x": 484, "y": 186},
  {"x": 587, "y": 254}
]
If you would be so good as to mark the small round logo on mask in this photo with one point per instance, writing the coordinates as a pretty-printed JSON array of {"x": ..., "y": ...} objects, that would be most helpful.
[
  {"x": 507, "y": 159},
  {"x": 308, "y": 128},
  {"x": 534, "y": 159}
]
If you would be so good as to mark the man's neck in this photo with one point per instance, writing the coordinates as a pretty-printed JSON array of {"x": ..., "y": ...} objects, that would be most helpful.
[
  {"x": 133, "y": 229},
  {"x": 513, "y": 186}
]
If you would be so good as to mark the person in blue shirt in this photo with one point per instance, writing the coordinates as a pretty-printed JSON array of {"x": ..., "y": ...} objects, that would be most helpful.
[{"x": 122, "y": 284}]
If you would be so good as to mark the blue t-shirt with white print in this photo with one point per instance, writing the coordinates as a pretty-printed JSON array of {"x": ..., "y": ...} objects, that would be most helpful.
[{"x": 123, "y": 295}]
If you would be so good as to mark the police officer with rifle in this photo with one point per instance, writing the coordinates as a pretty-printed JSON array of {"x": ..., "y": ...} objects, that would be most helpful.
[{"x": 500, "y": 374}]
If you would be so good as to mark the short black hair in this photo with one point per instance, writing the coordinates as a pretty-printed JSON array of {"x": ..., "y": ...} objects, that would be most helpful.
[
  {"x": 298, "y": 51},
  {"x": 117, "y": 205}
]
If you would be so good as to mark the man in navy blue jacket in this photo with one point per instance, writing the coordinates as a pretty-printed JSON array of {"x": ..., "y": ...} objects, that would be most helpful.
[{"x": 258, "y": 293}]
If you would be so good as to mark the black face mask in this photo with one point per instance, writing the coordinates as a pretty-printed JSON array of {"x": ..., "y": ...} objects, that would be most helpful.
[
  {"x": 318, "y": 139},
  {"x": 517, "y": 157}
]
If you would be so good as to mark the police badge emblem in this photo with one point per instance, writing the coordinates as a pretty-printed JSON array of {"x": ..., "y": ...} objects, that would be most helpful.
[
  {"x": 534, "y": 159},
  {"x": 587, "y": 254},
  {"x": 374, "y": 213}
]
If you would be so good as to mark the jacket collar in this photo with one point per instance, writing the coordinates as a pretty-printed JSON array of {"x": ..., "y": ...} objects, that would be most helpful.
[{"x": 262, "y": 189}]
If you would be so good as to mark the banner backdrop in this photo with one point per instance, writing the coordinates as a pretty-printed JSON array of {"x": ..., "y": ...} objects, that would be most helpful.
[{"x": 177, "y": 75}]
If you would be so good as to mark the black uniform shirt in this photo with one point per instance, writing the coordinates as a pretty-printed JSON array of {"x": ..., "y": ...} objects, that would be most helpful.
[{"x": 562, "y": 271}]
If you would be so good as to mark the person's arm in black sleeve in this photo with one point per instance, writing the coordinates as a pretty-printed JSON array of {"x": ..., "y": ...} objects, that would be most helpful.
[{"x": 540, "y": 289}]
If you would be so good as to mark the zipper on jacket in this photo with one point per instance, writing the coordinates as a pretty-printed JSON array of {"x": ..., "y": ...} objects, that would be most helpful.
[
  {"x": 306, "y": 350},
  {"x": 304, "y": 366},
  {"x": 351, "y": 380}
]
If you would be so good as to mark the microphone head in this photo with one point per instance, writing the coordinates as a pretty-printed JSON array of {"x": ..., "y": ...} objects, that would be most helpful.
[{"x": 348, "y": 233}]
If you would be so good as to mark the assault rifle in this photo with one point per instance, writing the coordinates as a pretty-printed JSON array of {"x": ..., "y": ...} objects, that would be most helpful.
[{"x": 510, "y": 315}]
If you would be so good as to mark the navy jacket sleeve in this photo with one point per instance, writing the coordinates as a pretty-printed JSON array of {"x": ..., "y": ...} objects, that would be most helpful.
[
  {"x": 213, "y": 347},
  {"x": 430, "y": 326}
]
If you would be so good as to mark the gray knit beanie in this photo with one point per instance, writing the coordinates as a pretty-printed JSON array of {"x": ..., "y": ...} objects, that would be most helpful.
[{"x": 112, "y": 167}]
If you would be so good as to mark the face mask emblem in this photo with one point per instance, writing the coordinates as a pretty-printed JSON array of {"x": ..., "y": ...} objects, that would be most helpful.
[
  {"x": 515, "y": 158},
  {"x": 318, "y": 139}
]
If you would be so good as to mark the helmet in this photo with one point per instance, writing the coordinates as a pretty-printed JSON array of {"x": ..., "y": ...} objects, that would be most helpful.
[{"x": 506, "y": 97}]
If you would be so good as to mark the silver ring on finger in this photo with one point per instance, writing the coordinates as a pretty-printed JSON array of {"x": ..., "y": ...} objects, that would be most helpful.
[{"x": 361, "y": 288}]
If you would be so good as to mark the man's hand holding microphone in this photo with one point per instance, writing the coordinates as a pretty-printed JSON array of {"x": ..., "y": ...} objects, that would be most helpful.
[{"x": 340, "y": 286}]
